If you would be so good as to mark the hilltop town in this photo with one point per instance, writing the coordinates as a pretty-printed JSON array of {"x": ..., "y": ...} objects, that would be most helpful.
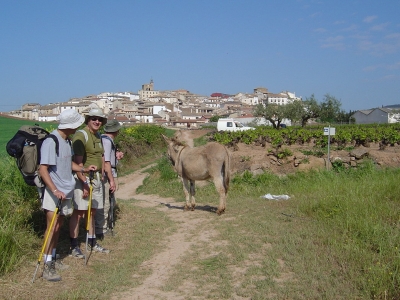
[
  {"x": 179, "y": 108},
  {"x": 183, "y": 109}
]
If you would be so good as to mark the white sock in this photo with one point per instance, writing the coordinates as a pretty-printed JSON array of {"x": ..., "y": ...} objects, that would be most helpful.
[{"x": 48, "y": 257}]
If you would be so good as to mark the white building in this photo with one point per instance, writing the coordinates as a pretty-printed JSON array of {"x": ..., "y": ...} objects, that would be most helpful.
[
  {"x": 280, "y": 99},
  {"x": 291, "y": 96},
  {"x": 48, "y": 118},
  {"x": 248, "y": 99},
  {"x": 376, "y": 115}
]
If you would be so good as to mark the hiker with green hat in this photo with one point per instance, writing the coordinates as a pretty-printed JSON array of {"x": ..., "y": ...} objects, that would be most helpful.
[
  {"x": 88, "y": 150},
  {"x": 105, "y": 217}
]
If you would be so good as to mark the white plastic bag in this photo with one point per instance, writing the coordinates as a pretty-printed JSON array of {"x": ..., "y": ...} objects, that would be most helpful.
[{"x": 275, "y": 197}]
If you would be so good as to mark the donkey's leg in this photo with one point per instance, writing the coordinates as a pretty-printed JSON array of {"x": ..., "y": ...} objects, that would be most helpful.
[
  {"x": 186, "y": 189},
  {"x": 219, "y": 185},
  {"x": 192, "y": 193}
]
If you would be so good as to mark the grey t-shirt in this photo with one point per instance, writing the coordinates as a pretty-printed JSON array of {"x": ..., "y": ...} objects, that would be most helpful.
[
  {"x": 60, "y": 167},
  {"x": 109, "y": 154}
]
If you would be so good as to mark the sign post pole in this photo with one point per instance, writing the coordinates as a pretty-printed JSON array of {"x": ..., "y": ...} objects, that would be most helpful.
[
  {"x": 329, "y": 131},
  {"x": 329, "y": 146}
]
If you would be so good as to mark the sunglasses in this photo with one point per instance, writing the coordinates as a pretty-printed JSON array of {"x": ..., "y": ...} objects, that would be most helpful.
[{"x": 96, "y": 119}]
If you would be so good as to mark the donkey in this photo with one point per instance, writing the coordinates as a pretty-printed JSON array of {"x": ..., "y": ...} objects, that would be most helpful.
[{"x": 200, "y": 163}]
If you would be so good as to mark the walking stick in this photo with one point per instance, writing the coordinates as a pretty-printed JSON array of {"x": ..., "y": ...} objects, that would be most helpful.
[
  {"x": 91, "y": 176},
  {"x": 46, "y": 238},
  {"x": 111, "y": 213}
]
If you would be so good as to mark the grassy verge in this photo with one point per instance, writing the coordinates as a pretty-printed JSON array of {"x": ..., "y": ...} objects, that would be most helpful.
[
  {"x": 18, "y": 216},
  {"x": 336, "y": 238}
]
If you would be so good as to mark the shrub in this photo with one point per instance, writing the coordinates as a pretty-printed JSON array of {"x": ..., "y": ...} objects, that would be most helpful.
[
  {"x": 18, "y": 215},
  {"x": 284, "y": 153}
]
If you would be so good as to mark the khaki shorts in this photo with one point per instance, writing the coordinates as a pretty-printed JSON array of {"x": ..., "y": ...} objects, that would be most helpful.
[
  {"x": 97, "y": 193},
  {"x": 50, "y": 202}
]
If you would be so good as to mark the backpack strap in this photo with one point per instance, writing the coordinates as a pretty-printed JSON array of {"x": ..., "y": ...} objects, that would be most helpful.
[
  {"x": 84, "y": 134},
  {"x": 103, "y": 136},
  {"x": 55, "y": 139}
]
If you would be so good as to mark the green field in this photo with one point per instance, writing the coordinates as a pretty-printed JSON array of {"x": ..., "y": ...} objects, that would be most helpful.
[{"x": 9, "y": 126}]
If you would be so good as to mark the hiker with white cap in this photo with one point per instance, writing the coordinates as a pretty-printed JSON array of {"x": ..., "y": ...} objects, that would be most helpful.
[
  {"x": 105, "y": 217},
  {"x": 88, "y": 150},
  {"x": 55, "y": 170}
]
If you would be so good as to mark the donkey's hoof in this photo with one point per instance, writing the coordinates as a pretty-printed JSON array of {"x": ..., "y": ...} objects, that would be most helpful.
[{"x": 220, "y": 211}]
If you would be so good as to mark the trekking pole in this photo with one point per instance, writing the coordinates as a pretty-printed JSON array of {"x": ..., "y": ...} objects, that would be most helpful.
[
  {"x": 91, "y": 176},
  {"x": 46, "y": 238},
  {"x": 111, "y": 213}
]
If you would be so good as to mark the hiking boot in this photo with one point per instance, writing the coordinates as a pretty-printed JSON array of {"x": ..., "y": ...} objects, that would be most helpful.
[
  {"x": 50, "y": 272},
  {"x": 60, "y": 265},
  {"x": 77, "y": 253},
  {"x": 98, "y": 248}
]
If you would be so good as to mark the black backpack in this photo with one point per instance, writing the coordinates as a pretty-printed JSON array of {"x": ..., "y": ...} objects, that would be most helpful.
[{"x": 25, "y": 148}]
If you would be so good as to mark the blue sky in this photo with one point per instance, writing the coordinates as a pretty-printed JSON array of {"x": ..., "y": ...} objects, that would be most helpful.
[{"x": 51, "y": 51}]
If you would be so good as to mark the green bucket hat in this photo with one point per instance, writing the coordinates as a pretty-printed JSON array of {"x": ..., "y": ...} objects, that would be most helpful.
[{"x": 112, "y": 126}]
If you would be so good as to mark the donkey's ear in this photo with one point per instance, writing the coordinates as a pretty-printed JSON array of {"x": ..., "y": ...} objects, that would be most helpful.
[
  {"x": 178, "y": 134},
  {"x": 165, "y": 138}
]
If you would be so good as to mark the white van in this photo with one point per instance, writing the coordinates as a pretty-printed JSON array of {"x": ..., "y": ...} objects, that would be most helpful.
[{"x": 231, "y": 125}]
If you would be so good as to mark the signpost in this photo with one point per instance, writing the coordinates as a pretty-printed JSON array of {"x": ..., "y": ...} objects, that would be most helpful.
[{"x": 329, "y": 131}]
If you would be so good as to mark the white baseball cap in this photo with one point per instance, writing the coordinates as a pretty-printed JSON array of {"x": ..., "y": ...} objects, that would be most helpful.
[{"x": 70, "y": 119}]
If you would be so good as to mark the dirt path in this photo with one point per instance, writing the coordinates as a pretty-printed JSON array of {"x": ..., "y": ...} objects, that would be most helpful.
[{"x": 178, "y": 244}]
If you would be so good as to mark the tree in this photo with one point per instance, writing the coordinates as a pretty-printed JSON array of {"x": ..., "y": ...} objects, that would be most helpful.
[
  {"x": 302, "y": 111},
  {"x": 312, "y": 110},
  {"x": 215, "y": 118},
  {"x": 330, "y": 109},
  {"x": 344, "y": 117},
  {"x": 272, "y": 112},
  {"x": 294, "y": 111}
]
